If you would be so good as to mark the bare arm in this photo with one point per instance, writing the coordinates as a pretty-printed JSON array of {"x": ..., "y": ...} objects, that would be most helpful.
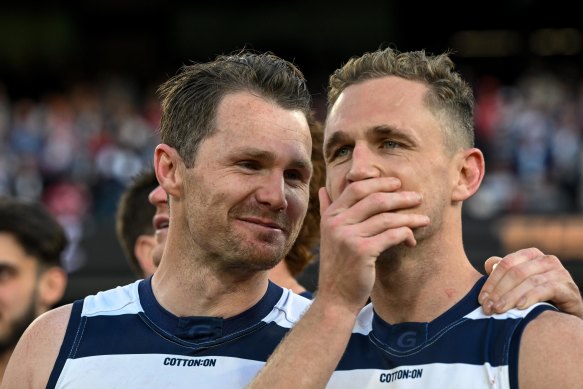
[
  {"x": 526, "y": 277},
  {"x": 551, "y": 352},
  {"x": 355, "y": 230},
  {"x": 35, "y": 354}
]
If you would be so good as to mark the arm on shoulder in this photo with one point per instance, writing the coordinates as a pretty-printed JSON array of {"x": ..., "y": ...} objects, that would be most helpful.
[
  {"x": 35, "y": 354},
  {"x": 551, "y": 352}
]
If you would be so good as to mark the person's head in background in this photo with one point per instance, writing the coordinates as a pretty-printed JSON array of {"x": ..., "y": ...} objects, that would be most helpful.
[
  {"x": 32, "y": 280},
  {"x": 301, "y": 254},
  {"x": 133, "y": 224}
]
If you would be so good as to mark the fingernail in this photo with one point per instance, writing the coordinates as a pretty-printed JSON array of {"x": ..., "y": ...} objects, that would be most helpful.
[
  {"x": 521, "y": 303},
  {"x": 488, "y": 306},
  {"x": 499, "y": 305}
]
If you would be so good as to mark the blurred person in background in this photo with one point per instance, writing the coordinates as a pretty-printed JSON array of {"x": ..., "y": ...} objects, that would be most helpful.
[
  {"x": 32, "y": 280},
  {"x": 133, "y": 224}
]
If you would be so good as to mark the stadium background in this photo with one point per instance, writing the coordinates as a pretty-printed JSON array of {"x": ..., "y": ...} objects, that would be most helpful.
[{"x": 78, "y": 112}]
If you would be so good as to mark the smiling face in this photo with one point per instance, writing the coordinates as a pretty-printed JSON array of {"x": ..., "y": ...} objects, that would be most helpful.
[
  {"x": 383, "y": 128},
  {"x": 247, "y": 193}
]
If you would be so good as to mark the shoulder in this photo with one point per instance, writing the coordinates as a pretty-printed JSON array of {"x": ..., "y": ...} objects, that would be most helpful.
[
  {"x": 119, "y": 300},
  {"x": 35, "y": 354},
  {"x": 551, "y": 351}
]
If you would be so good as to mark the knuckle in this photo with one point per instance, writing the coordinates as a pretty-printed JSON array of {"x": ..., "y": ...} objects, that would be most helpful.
[{"x": 515, "y": 272}]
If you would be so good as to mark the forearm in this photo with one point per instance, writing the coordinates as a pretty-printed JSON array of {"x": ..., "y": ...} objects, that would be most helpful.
[{"x": 311, "y": 351}]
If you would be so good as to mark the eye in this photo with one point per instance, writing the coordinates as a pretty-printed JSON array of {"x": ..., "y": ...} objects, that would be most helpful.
[
  {"x": 390, "y": 144},
  {"x": 249, "y": 165},
  {"x": 293, "y": 175},
  {"x": 6, "y": 273},
  {"x": 341, "y": 152}
]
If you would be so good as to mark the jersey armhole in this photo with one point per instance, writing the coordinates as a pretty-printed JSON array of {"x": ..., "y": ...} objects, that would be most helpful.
[
  {"x": 68, "y": 343},
  {"x": 515, "y": 342}
]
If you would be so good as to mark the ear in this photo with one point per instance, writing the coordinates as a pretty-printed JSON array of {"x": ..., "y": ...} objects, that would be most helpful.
[
  {"x": 470, "y": 173},
  {"x": 51, "y": 287},
  {"x": 143, "y": 252},
  {"x": 166, "y": 166}
]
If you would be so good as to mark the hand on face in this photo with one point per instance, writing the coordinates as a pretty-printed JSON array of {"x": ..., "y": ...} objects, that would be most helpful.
[
  {"x": 356, "y": 228},
  {"x": 526, "y": 277}
]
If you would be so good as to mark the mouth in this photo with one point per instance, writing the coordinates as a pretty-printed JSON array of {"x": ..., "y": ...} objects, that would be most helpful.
[
  {"x": 160, "y": 222},
  {"x": 264, "y": 223}
]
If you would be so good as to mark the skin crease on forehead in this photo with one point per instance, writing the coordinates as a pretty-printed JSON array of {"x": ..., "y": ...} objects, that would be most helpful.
[{"x": 243, "y": 202}]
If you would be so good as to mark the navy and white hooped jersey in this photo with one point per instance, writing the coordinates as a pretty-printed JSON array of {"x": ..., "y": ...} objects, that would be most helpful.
[
  {"x": 462, "y": 348},
  {"x": 122, "y": 338}
]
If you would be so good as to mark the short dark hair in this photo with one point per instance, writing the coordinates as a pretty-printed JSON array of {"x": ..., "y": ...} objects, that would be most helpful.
[
  {"x": 36, "y": 230},
  {"x": 190, "y": 98},
  {"x": 134, "y": 215},
  {"x": 449, "y": 95}
]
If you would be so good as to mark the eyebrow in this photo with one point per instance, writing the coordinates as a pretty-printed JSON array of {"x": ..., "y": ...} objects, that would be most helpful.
[
  {"x": 7, "y": 266},
  {"x": 342, "y": 137},
  {"x": 268, "y": 156}
]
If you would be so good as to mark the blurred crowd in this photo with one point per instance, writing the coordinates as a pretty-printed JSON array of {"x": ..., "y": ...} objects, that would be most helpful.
[
  {"x": 531, "y": 134},
  {"x": 77, "y": 150}
]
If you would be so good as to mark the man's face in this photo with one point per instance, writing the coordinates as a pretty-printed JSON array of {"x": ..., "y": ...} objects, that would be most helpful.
[
  {"x": 382, "y": 128},
  {"x": 247, "y": 194},
  {"x": 18, "y": 289},
  {"x": 161, "y": 220}
]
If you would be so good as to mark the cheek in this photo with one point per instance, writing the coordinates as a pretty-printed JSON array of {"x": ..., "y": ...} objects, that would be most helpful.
[
  {"x": 17, "y": 293},
  {"x": 297, "y": 203}
]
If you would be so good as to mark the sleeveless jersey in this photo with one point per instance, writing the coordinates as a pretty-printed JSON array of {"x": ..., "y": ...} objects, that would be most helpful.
[
  {"x": 462, "y": 348},
  {"x": 122, "y": 338}
]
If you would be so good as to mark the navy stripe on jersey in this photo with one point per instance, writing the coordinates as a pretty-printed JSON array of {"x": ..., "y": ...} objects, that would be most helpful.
[
  {"x": 195, "y": 330},
  {"x": 68, "y": 341},
  {"x": 454, "y": 337},
  {"x": 105, "y": 329}
]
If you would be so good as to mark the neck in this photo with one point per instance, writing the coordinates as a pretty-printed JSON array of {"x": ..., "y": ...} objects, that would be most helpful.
[
  {"x": 281, "y": 275},
  {"x": 419, "y": 284},
  {"x": 201, "y": 291}
]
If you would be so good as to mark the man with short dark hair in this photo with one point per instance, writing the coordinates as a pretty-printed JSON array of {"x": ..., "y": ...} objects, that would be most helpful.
[
  {"x": 235, "y": 164},
  {"x": 32, "y": 280}
]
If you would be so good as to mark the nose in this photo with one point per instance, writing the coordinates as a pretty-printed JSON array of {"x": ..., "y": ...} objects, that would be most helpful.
[
  {"x": 271, "y": 192},
  {"x": 362, "y": 164},
  {"x": 157, "y": 196}
]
